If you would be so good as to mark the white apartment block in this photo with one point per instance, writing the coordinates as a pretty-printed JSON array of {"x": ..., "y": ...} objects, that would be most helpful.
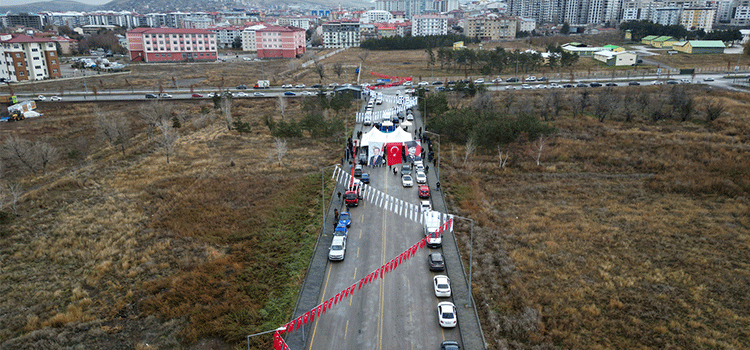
[
  {"x": 24, "y": 58},
  {"x": 304, "y": 22},
  {"x": 637, "y": 10},
  {"x": 741, "y": 13},
  {"x": 225, "y": 35},
  {"x": 376, "y": 16},
  {"x": 249, "y": 40},
  {"x": 413, "y": 8},
  {"x": 695, "y": 18},
  {"x": 426, "y": 25},
  {"x": 666, "y": 16},
  {"x": 341, "y": 34}
]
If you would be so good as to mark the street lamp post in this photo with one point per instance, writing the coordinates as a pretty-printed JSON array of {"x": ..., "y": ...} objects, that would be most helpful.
[
  {"x": 438, "y": 161},
  {"x": 322, "y": 193}
]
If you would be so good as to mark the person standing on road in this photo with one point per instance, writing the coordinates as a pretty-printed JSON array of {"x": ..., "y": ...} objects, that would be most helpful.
[
  {"x": 426, "y": 168},
  {"x": 336, "y": 214}
]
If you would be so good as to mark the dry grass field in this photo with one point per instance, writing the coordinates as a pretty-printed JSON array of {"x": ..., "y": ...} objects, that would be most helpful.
[
  {"x": 629, "y": 235},
  {"x": 114, "y": 252}
]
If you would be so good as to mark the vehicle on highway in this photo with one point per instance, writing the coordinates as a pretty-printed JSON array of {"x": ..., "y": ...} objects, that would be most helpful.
[
  {"x": 425, "y": 205},
  {"x": 407, "y": 83},
  {"x": 595, "y": 84},
  {"x": 211, "y": 95},
  {"x": 341, "y": 229},
  {"x": 581, "y": 85},
  {"x": 423, "y": 83},
  {"x": 424, "y": 192},
  {"x": 338, "y": 249},
  {"x": 442, "y": 286},
  {"x": 512, "y": 80},
  {"x": 542, "y": 79},
  {"x": 365, "y": 178},
  {"x": 673, "y": 82},
  {"x": 247, "y": 59},
  {"x": 289, "y": 93},
  {"x": 308, "y": 93},
  {"x": 497, "y": 80},
  {"x": 258, "y": 94},
  {"x": 357, "y": 170},
  {"x": 421, "y": 177},
  {"x": 566, "y": 86},
  {"x": 634, "y": 83},
  {"x": 526, "y": 86},
  {"x": 345, "y": 218},
  {"x": 657, "y": 82},
  {"x": 554, "y": 86},
  {"x": 437, "y": 82},
  {"x": 41, "y": 98},
  {"x": 450, "y": 345},
  {"x": 407, "y": 181},
  {"x": 197, "y": 95},
  {"x": 287, "y": 86},
  {"x": 55, "y": 98},
  {"x": 151, "y": 96},
  {"x": 165, "y": 95},
  {"x": 611, "y": 84},
  {"x": 300, "y": 86},
  {"x": 531, "y": 78},
  {"x": 241, "y": 87},
  {"x": 406, "y": 169},
  {"x": 436, "y": 261},
  {"x": 241, "y": 94},
  {"x": 316, "y": 86},
  {"x": 708, "y": 79},
  {"x": 447, "y": 314}
]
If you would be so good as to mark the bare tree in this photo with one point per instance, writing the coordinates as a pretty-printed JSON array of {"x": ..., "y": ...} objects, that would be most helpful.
[
  {"x": 45, "y": 154},
  {"x": 471, "y": 146},
  {"x": 503, "y": 157},
  {"x": 363, "y": 54},
  {"x": 152, "y": 113},
  {"x": 714, "y": 109},
  {"x": 629, "y": 105},
  {"x": 115, "y": 129},
  {"x": 282, "y": 106},
  {"x": 280, "y": 148},
  {"x": 320, "y": 69},
  {"x": 19, "y": 152},
  {"x": 454, "y": 99},
  {"x": 338, "y": 68},
  {"x": 14, "y": 193},
  {"x": 482, "y": 102},
  {"x": 605, "y": 104},
  {"x": 168, "y": 138},
  {"x": 536, "y": 149},
  {"x": 682, "y": 101},
  {"x": 226, "y": 111},
  {"x": 580, "y": 102}
]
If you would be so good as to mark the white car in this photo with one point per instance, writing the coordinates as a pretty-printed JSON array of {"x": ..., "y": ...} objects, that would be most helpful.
[
  {"x": 421, "y": 177},
  {"x": 241, "y": 94},
  {"x": 338, "y": 248},
  {"x": 300, "y": 86},
  {"x": 708, "y": 79},
  {"x": 55, "y": 98},
  {"x": 657, "y": 82},
  {"x": 308, "y": 93},
  {"x": 406, "y": 83},
  {"x": 259, "y": 94},
  {"x": 479, "y": 81},
  {"x": 407, "y": 181},
  {"x": 526, "y": 86},
  {"x": 442, "y": 286},
  {"x": 531, "y": 78},
  {"x": 247, "y": 59},
  {"x": 447, "y": 314},
  {"x": 425, "y": 205},
  {"x": 497, "y": 80},
  {"x": 287, "y": 86},
  {"x": 41, "y": 98},
  {"x": 423, "y": 83},
  {"x": 410, "y": 117}
]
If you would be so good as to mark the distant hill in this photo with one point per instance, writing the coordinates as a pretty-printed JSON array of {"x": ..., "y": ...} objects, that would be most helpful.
[{"x": 45, "y": 6}]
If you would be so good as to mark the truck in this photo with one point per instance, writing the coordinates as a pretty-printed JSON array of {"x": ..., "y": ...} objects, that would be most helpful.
[
  {"x": 8, "y": 99},
  {"x": 432, "y": 223},
  {"x": 262, "y": 84}
]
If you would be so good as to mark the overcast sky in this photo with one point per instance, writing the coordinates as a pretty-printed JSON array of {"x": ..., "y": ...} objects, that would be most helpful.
[{"x": 22, "y": 2}]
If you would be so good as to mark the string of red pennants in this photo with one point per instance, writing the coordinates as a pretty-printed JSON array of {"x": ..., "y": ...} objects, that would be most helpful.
[
  {"x": 396, "y": 80},
  {"x": 380, "y": 272}
]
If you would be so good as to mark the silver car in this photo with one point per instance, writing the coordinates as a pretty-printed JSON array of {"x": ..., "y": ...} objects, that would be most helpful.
[{"x": 407, "y": 181}]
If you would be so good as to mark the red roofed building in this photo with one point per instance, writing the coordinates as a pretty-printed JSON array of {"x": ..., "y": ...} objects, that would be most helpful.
[
  {"x": 23, "y": 57},
  {"x": 280, "y": 42},
  {"x": 171, "y": 45}
]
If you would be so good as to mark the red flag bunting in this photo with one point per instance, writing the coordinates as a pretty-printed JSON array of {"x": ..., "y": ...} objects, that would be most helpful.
[
  {"x": 382, "y": 271},
  {"x": 276, "y": 341},
  {"x": 319, "y": 307},
  {"x": 422, "y": 243},
  {"x": 305, "y": 317},
  {"x": 312, "y": 314},
  {"x": 299, "y": 322},
  {"x": 362, "y": 281},
  {"x": 336, "y": 299},
  {"x": 324, "y": 306},
  {"x": 290, "y": 326}
]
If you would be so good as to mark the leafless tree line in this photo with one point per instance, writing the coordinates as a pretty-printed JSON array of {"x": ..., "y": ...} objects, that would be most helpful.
[{"x": 24, "y": 156}]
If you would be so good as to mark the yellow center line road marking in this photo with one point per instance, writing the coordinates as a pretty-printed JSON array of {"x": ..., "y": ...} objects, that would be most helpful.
[
  {"x": 355, "y": 269},
  {"x": 382, "y": 281},
  {"x": 346, "y": 329},
  {"x": 322, "y": 298}
]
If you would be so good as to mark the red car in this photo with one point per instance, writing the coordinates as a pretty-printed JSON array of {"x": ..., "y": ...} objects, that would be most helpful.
[
  {"x": 424, "y": 192},
  {"x": 197, "y": 95}
]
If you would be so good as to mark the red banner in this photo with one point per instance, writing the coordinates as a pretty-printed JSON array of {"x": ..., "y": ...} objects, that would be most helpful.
[{"x": 394, "y": 152}]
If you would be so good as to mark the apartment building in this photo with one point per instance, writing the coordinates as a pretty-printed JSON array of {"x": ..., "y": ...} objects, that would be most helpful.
[
  {"x": 426, "y": 25},
  {"x": 280, "y": 42},
  {"x": 249, "y": 41},
  {"x": 341, "y": 34},
  {"x": 376, "y": 16},
  {"x": 304, "y": 22},
  {"x": 24, "y": 58},
  {"x": 666, "y": 16},
  {"x": 225, "y": 36},
  {"x": 491, "y": 27},
  {"x": 24, "y": 19},
  {"x": 171, "y": 45},
  {"x": 695, "y": 18},
  {"x": 741, "y": 13}
]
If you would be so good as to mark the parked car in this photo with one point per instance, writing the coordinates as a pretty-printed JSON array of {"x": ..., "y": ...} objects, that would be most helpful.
[
  {"x": 197, "y": 95},
  {"x": 55, "y": 98},
  {"x": 672, "y": 82},
  {"x": 437, "y": 82},
  {"x": 300, "y": 86},
  {"x": 345, "y": 218},
  {"x": 338, "y": 249},
  {"x": 447, "y": 314},
  {"x": 241, "y": 87},
  {"x": 450, "y": 345},
  {"x": 289, "y": 93},
  {"x": 165, "y": 95},
  {"x": 423, "y": 83},
  {"x": 708, "y": 79},
  {"x": 442, "y": 286},
  {"x": 595, "y": 84},
  {"x": 424, "y": 192},
  {"x": 316, "y": 86},
  {"x": 151, "y": 96},
  {"x": 421, "y": 177},
  {"x": 410, "y": 117},
  {"x": 241, "y": 94},
  {"x": 531, "y": 78},
  {"x": 436, "y": 261},
  {"x": 567, "y": 86},
  {"x": 341, "y": 229},
  {"x": 581, "y": 85},
  {"x": 542, "y": 79},
  {"x": 497, "y": 80},
  {"x": 406, "y": 169},
  {"x": 365, "y": 178},
  {"x": 358, "y": 170},
  {"x": 425, "y": 205},
  {"x": 407, "y": 181}
]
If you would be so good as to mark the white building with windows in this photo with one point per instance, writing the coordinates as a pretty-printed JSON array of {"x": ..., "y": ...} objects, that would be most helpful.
[
  {"x": 24, "y": 58},
  {"x": 426, "y": 25},
  {"x": 666, "y": 16},
  {"x": 341, "y": 34},
  {"x": 376, "y": 16},
  {"x": 249, "y": 40}
]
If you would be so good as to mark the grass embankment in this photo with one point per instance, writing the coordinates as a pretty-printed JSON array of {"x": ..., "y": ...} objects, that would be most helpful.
[
  {"x": 112, "y": 251},
  {"x": 630, "y": 235}
]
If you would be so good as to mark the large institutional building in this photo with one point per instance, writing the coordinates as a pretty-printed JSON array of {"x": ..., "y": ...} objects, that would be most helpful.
[
  {"x": 171, "y": 45},
  {"x": 23, "y": 58}
]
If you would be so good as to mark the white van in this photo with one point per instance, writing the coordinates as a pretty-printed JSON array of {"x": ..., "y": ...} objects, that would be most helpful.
[
  {"x": 367, "y": 121},
  {"x": 338, "y": 248},
  {"x": 432, "y": 224}
]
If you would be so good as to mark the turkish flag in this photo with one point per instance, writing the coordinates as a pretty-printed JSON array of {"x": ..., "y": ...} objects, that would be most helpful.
[
  {"x": 312, "y": 315},
  {"x": 394, "y": 152},
  {"x": 290, "y": 326},
  {"x": 324, "y": 306},
  {"x": 362, "y": 281},
  {"x": 276, "y": 341},
  {"x": 319, "y": 307},
  {"x": 305, "y": 317},
  {"x": 299, "y": 322},
  {"x": 422, "y": 243}
]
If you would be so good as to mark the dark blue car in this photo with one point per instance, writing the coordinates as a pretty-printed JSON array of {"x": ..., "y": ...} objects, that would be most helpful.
[
  {"x": 340, "y": 230},
  {"x": 365, "y": 178},
  {"x": 346, "y": 219},
  {"x": 289, "y": 93}
]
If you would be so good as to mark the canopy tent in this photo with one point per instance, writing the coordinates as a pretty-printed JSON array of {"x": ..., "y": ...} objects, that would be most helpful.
[
  {"x": 405, "y": 125},
  {"x": 375, "y": 140}
]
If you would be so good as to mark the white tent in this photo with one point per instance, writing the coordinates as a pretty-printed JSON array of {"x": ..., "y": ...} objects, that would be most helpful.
[
  {"x": 377, "y": 136},
  {"x": 405, "y": 125}
]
